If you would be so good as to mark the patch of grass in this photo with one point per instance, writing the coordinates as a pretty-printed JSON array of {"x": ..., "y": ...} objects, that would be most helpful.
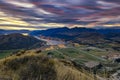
[
  {"x": 69, "y": 52},
  {"x": 54, "y": 53},
  {"x": 98, "y": 53},
  {"x": 75, "y": 54},
  {"x": 6, "y": 53}
]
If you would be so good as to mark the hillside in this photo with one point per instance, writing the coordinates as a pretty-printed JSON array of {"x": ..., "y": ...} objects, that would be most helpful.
[
  {"x": 18, "y": 41},
  {"x": 33, "y": 66}
]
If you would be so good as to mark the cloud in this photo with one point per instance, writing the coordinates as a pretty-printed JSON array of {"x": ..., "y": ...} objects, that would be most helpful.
[
  {"x": 58, "y": 13},
  {"x": 108, "y": 5}
]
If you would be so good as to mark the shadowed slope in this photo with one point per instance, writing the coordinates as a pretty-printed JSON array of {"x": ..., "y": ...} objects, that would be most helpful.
[{"x": 18, "y": 41}]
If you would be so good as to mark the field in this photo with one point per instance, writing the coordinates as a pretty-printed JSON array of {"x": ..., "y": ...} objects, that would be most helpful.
[
  {"x": 79, "y": 54},
  {"x": 84, "y": 54}
]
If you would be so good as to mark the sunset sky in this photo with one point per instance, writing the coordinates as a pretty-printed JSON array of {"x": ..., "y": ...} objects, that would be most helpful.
[{"x": 44, "y": 14}]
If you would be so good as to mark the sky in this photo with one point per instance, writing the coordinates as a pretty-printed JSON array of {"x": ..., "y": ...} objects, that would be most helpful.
[{"x": 44, "y": 14}]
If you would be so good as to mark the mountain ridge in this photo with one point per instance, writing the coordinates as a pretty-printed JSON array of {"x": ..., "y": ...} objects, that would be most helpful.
[
  {"x": 80, "y": 34},
  {"x": 18, "y": 41}
]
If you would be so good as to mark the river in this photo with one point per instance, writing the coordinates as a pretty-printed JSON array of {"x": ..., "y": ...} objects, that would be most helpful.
[{"x": 50, "y": 42}]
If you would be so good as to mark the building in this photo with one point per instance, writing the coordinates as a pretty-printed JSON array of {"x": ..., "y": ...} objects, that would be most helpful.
[
  {"x": 113, "y": 56},
  {"x": 93, "y": 64}
]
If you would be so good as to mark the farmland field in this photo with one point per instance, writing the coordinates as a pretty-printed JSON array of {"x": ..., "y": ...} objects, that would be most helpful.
[{"x": 77, "y": 54}]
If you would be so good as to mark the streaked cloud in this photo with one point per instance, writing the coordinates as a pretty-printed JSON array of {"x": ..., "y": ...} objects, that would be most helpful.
[{"x": 44, "y": 14}]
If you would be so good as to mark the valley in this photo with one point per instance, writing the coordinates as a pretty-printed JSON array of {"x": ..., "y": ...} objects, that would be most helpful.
[{"x": 100, "y": 61}]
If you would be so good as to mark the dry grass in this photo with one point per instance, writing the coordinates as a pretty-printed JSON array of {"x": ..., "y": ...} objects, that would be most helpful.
[{"x": 31, "y": 66}]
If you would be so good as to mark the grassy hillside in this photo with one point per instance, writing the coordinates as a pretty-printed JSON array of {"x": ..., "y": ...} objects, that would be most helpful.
[
  {"x": 5, "y": 53},
  {"x": 33, "y": 66},
  {"x": 78, "y": 54}
]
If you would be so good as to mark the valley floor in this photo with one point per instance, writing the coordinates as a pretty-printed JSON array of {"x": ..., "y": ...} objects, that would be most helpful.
[{"x": 75, "y": 59}]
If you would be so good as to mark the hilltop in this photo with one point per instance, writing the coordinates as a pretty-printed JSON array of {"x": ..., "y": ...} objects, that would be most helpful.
[{"x": 30, "y": 65}]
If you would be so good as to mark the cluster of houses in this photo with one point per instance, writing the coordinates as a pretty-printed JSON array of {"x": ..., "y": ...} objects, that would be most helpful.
[
  {"x": 93, "y": 64},
  {"x": 115, "y": 57}
]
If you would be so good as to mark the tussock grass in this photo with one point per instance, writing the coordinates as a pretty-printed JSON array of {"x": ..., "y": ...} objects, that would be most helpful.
[{"x": 31, "y": 66}]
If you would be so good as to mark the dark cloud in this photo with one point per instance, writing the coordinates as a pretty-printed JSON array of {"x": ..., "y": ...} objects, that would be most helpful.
[{"x": 82, "y": 12}]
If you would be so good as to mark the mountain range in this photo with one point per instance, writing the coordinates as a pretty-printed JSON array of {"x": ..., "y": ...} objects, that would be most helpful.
[
  {"x": 12, "y": 39},
  {"x": 2, "y": 32},
  {"x": 81, "y": 35}
]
